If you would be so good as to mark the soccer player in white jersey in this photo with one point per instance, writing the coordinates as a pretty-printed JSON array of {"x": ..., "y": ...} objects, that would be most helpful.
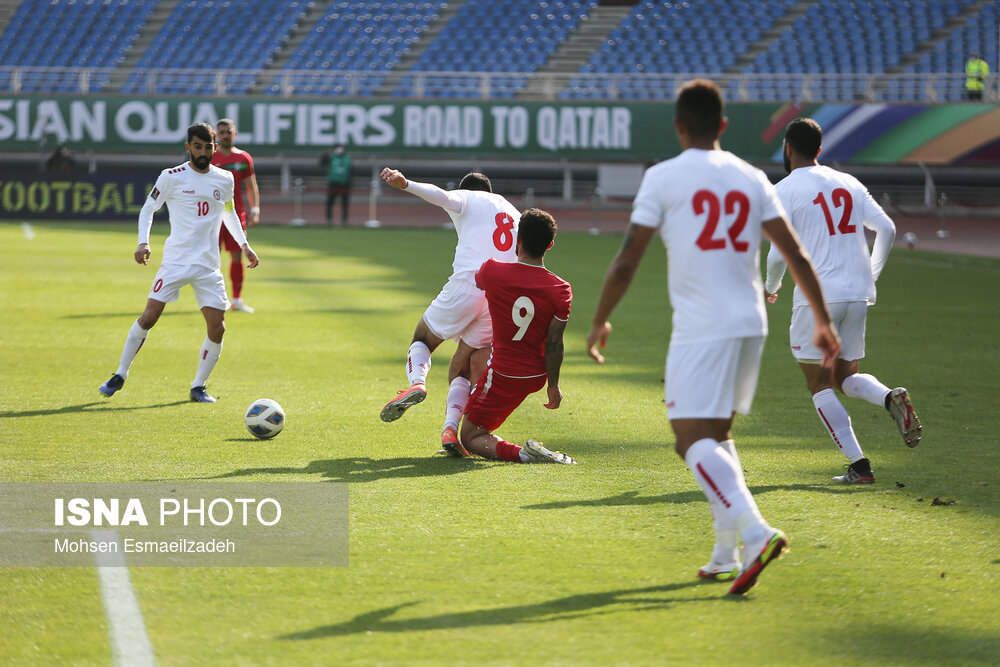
[
  {"x": 830, "y": 210},
  {"x": 486, "y": 224},
  {"x": 199, "y": 197},
  {"x": 710, "y": 208}
]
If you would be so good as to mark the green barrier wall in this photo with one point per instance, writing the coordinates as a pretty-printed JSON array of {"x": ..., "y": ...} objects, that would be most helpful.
[{"x": 874, "y": 133}]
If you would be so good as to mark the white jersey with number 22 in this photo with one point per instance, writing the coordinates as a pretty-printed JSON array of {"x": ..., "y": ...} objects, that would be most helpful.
[{"x": 708, "y": 207}]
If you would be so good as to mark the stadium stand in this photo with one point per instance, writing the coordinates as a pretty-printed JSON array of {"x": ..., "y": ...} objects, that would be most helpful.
[
  {"x": 75, "y": 34},
  {"x": 978, "y": 34},
  {"x": 508, "y": 40},
  {"x": 667, "y": 37},
  {"x": 871, "y": 36},
  {"x": 364, "y": 40},
  {"x": 193, "y": 43},
  {"x": 781, "y": 50}
]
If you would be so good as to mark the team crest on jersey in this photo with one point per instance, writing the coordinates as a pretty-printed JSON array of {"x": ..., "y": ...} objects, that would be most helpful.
[{"x": 217, "y": 195}]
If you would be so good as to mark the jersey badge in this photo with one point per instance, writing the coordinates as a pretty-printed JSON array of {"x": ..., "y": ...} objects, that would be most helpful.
[{"x": 217, "y": 195}]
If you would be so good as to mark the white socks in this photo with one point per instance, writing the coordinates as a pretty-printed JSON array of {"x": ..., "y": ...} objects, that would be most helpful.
[
  {"x": 727, "y": 538},
  {"x": 837, "y": 423},
  {"x": 458, "y": 397},
  {"x": 863, "y": 385},
  {"x": 136, "y": 337},
  {"x": 418, "y": 362},
  {"x": 721, "y": 479},
  {"x": 206, "y": 361}
]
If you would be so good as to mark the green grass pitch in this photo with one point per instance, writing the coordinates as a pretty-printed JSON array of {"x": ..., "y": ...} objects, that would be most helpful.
[{"x": 480, "y": 563}]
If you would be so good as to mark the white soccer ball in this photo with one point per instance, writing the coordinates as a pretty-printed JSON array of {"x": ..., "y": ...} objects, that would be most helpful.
[
  {"x": 910, "y": 239},
  {"x": 264, "y": 418}
]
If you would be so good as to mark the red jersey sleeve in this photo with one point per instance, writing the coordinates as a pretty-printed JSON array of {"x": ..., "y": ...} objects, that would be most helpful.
[
  {"x": 249, "y": 164},
  {"x": 482, "y": 279},
  {"x": 564, "y": 299}
]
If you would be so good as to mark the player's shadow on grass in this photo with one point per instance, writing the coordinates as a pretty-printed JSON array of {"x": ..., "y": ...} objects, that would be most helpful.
[
  {"x": 85, "y": 407},
  {"x": 560, "y": 609},
  {"x": 131, "y": 313},
  {"x": 361, "y": 469},
  {"x": 682, "y": 498}
]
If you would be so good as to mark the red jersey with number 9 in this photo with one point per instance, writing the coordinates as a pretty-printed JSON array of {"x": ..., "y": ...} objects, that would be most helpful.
[{"x": 523, "y": 299}]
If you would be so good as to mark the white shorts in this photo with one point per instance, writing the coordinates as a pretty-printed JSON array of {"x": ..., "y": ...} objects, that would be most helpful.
[
  {"x": 848, "y": 316},
  {"x": 209, "y": 285},
  {"x": 712, "y": 380},
  {"x": 460, "y": 312}
]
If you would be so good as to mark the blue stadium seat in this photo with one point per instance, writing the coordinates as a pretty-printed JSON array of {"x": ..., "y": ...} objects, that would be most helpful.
[{"x": 44, "y": 33}]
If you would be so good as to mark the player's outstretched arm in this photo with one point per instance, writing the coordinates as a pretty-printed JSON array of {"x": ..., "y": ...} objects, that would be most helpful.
[
  {"x": 142, "y": 254},
  {"x": 616, "y": 284},
  {"x": 825, "y": 335},
  {"x": 553, "y": 361},
  {"x": 395, "y": 178}
]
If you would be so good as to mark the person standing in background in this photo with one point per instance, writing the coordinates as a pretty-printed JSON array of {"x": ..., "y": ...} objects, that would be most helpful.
[
  {"x": 338, "y": 182},
  {"x": 240, "y": 164},
  {"x": 976, "y": 71}
]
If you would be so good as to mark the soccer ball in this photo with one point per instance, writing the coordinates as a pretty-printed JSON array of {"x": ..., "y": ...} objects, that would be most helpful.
[
  {"x": 910, "y": 239},
  {"x": 264, "y": 418}
]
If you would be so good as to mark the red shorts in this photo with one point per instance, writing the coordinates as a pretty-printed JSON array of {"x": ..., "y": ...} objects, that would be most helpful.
[
  {"x": 495, "y": 396},
  {"x": 226, "y": 239}
]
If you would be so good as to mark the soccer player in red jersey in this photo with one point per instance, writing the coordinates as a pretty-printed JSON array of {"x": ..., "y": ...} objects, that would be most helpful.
[
  {"x": 240, "y": 165},
  {"x": 529, "y": 306}
]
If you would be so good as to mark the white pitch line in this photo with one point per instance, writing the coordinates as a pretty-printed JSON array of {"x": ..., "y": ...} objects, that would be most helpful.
[
  {"x": 29, "y": 233},
  {"x": 126, "y": 630}
]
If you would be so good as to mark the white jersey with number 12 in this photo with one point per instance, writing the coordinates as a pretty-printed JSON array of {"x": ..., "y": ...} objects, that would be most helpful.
[{"x": 829, "y": 210}]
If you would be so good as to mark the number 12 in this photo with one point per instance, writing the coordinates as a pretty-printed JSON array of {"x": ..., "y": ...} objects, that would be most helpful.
[{"x": 841, "y": 198}]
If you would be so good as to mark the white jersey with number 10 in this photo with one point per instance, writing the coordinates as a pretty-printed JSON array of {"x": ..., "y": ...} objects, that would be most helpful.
[{"x": 708, "y": 207}]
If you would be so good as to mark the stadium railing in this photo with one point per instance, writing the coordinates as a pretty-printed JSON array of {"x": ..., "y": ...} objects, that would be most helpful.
[{"x": 743, "y": 87}]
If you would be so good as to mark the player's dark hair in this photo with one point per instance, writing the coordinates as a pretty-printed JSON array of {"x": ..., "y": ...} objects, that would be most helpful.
[
  {"x": 536, "y": 231},
  {"x": 203, "y": 131},
  {"x": 699, "y": 109},
  {"x": 475, "y": 181},
  {"x": 805, "y": 137},
  {"x": 226, "y": 121}
]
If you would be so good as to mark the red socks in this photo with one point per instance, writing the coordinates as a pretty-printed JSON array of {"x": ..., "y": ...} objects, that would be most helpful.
[
  {"x": 236, "y": 274},
  {"x": 508, "y": 451}
]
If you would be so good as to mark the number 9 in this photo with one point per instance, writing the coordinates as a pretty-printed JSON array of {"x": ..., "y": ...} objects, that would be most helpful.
[{"x": 522, "y": 303}]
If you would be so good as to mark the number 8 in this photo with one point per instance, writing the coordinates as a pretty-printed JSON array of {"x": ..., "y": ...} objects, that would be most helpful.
[{"x": 522, "y": 321}]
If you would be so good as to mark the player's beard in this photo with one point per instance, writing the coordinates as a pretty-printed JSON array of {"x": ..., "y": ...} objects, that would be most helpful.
[
  {"x": 201, "y": 162},
  {"x": 788, "y": 163}
]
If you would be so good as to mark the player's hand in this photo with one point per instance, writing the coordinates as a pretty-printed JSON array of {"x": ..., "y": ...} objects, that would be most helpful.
[
  {"x": 771, "y": 297},
  {"x": 254, "y": 216},
  {"x": 598, "y": 336},
  {"x": 555, "y": 397},
  {"x": 395, "y": 178},
  {"x": 826, "y": 339},
  {"x": 142, "y": 254},
  {"x": 251, "y": 256}
]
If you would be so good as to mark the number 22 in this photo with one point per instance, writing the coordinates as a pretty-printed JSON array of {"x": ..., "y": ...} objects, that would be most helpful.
[{"x": 735, "y": 202}]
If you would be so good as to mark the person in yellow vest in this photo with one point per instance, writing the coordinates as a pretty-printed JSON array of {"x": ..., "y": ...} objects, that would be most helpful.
[{"x": 976, "y": 71}]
